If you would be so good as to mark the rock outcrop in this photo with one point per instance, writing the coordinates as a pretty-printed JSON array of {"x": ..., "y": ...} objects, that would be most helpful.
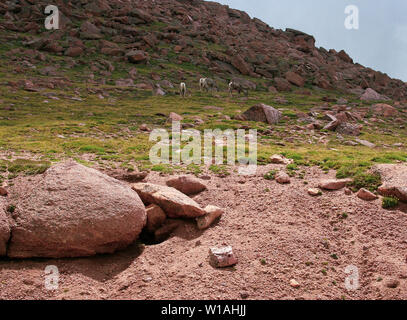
[
  {"x": 73, "y": 211},
  {"x": 372, "y": 95},
  {"x": 250, "y": 47},
  {"x": 174, "y": 203},
  {"x": 384, "y": 110},
  {"x": 394, "y": 178},
  {"x": 263, "y": 113}
]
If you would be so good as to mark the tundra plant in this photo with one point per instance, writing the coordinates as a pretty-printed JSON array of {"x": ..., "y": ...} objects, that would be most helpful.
[{"x": 215, "y": 144}]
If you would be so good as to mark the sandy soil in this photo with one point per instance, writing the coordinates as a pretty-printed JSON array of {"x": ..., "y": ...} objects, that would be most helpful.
[{"x": 279, "y": 233}]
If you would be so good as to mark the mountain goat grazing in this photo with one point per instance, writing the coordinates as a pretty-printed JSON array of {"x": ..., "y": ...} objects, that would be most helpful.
[
  {"x": 237, "y": 86},
  {"x": 209, "y": 83},
  {"x": 182, "y": 89},
  {"x": 201, "y": 83}
]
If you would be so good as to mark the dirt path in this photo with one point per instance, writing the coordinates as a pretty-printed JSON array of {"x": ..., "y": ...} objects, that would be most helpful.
[{"x": 279, "y": 233}]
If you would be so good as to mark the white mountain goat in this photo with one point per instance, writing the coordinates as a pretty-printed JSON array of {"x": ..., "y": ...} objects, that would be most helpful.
[
  {"x": 201, "y": 83},
  {"x": 182, "y": 89},
  {"x": 236, "y": 85},
  {"x": 210, "y": 84}
]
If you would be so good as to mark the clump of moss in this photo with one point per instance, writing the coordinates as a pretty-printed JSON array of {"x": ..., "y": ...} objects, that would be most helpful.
[
  {"x": 162, "y": 168},
  {"x": 11, "y": 208},
  {"x": 271, "y": 175},
  {"x": 220, "y": 170},
  {"x": 390, "y": 202},
  {"x": 27, "y": 167},
  {"x": 370, "y": 181},
  {"x": 292, "y": 169}
]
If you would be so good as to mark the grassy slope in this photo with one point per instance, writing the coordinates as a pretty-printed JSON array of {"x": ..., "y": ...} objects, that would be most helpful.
[{"x": 105, "y": 131}]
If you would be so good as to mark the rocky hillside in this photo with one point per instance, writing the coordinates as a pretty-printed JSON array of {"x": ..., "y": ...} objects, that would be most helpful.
[{"x": 193, "y": 37}]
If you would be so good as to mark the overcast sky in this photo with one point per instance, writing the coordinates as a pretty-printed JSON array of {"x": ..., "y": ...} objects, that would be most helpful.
[{"x": 380, "y": 42}]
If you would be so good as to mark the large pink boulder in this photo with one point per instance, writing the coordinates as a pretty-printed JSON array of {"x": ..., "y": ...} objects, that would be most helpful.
[
  {"x": 371, "y": 95},
  {"x": 239, "y": 63},
  {"x": 72, "y": 211},
  {"x": 394, "y": 178},
  {"x": 4, "y": 227},
  {"x": 263, "y": 113},
  {"x": 385, "y": 110},
  {"x": 295, "y": 79}
]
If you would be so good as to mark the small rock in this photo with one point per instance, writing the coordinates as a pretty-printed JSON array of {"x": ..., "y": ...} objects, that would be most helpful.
[
  {"x": 392, "y": 283},
  {"x": 294, "y": 284},
  {"x": 137, "y": 56},
  {"x": 3, "y": 192},
  {"x": 366, "y": 195},
  {"x": 244, "y": 295},
  {"x": 348, "y": 191},
  {"x": 333, "y": 184},
  {"x": 187, "y": 184},
  {"x": 28, "y": 282},
  {"x": 366, "y": 143},
  {"x": 222, "y": 257},
  {"x": 174, "y": 117},
  {"x": 277, "y": 159},
  {"x": 124, "y": 83},
  {"x": 212, "y": 213},
  {"x": 314, "y": 192},
  {"x": 145, "y": 128},
  {"x": 283, "y": 178}
]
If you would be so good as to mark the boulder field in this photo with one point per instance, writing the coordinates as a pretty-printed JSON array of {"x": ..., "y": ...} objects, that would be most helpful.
[
  {"x": 75, "y": 211},
  {"x": 170, "y": 31}
]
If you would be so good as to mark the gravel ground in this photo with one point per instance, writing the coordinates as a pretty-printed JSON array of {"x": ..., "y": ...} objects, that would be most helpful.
[{"x": 279, "y": 233}]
